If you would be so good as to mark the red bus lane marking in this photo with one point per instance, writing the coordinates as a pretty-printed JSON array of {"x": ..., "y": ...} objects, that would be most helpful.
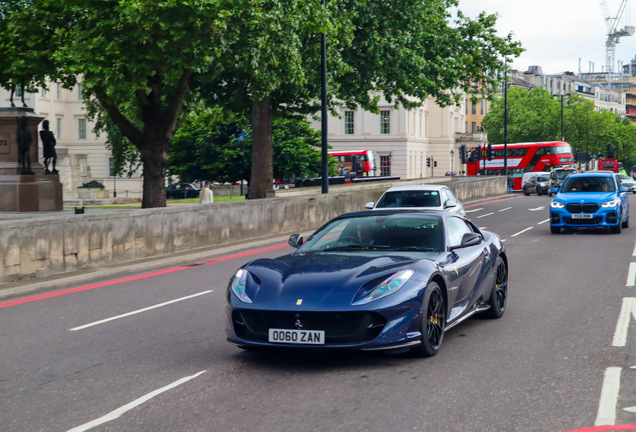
[
  {"x": 609, "y": 428},
  {"x": 490, "y": 202},
  {"x": 133, "y": 278}
]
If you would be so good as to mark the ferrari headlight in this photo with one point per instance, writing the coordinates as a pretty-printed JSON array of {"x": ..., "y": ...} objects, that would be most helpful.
[
  {"x": 238, "y": 285},
  {"x": 612, "y": 203},
  {"x": 389, "y": 286},
  {"x": 556, "y": 204}
]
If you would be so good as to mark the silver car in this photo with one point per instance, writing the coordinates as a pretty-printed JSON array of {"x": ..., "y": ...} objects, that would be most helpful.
[
  {"x": 627, "y": 181},
  {"x": 421, "y": 197}
]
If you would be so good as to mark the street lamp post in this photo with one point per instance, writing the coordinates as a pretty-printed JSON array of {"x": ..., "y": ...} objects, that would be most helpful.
[
  {"x": 562, "y": 132},
  {"x": 505, "y": 118},
  {"x": 323, "y": 74},
  {"x": 452, "y": 152}
]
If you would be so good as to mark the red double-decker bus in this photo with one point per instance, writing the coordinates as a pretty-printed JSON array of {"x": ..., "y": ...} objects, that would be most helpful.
[
  {"x": 523, "y": 158},
  {"x": 365, "y": 161}
]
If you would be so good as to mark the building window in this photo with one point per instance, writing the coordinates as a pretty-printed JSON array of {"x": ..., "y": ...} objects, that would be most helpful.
[
  {"x": 59, "y": 91},
  {"x": 43, "y": 92},
  {"x": 607, "y": 98},
  {"x": 473, "y": 127},
  {"x": 466, "y": 129},
  {"x": 467, "y": 102},
  {"x": 111, "y": 167},
  {"x": 385, "y": 122},
  {"x": 81, "y": 126},
  {"x": 348, "y": 122},
  {"x": 59, "y": 128},
  {"x": 18, "y": 91},
  {"x": 481, "y": 107},
  {"x": 474, "y": 109},
  {"x": 80, "y": 88},
  {"x": 385, "y": 165}
]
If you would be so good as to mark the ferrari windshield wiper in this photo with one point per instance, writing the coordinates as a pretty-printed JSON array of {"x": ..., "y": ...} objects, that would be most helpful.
[{"x": 356, "y": 248}]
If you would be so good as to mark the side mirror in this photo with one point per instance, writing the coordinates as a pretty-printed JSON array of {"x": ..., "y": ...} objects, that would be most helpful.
[
  {"x": 468, "y": 239},
  {"x": 554, "y": 190},
  {"x": 623, "y": 189},
  {"x": 369, "y": 205},
  {"x": 296, "y": 241},
  {"x": 449, "y": 204}
]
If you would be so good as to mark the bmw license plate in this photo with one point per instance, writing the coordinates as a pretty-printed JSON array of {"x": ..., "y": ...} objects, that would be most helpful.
[
  {"x": 582, "y": 216},
  {"x": 312, "y": 337}
]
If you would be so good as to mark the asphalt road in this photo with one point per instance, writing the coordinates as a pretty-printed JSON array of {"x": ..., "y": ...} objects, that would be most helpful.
[{"x": 564, "y": 348}]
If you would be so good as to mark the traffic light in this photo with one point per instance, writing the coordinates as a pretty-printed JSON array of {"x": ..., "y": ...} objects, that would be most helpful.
[
  {"x": 463, "y": 156},
  {"x": 428, "y": 162},
  {"x": 435, "y": 164},
  {"x": 490, "y": 152},
  {"x": 608, "y": 151}
]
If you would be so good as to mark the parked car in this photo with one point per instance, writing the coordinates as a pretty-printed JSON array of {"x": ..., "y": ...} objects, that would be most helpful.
[
  {"x": 182, "y": 191},
  {"x": 376, "y": 280},
  {"x": 627, "y": 181},
  {"x": 592, "y": 199},
  {"x": 420, "y": 197},
  {"x": 536, "y": 184}
]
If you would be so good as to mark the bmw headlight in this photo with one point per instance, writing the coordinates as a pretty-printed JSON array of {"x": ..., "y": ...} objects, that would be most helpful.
[
  {"x": 238, "y": 284},
  {"x": 612, "y": 203},
  {"x": 556, "y": 204},
  {"x": 389, "y": 286}
]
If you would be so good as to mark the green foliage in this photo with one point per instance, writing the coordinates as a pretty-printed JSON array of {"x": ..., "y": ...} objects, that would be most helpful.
[
  {"x": 536, "y": 116},
  {"x": 208, "y": 147}
]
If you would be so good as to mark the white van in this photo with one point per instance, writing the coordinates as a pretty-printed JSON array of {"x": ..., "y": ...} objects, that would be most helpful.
[{"x": 527, "y": 175}]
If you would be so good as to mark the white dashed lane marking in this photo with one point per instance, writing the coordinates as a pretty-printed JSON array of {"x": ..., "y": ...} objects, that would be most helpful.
[
  {"x": 537, "y": 209},
  {"x": 634, "y": 254},
  {"x": 474, "y": 210},
  {"x": 609, "y": 397},
  {"x": 138, "y": 311},
  {"x": 628, "y": 310},
  {"x": 487, "y": 214},
  {"x": 521, "y": 232},
  {"x": 542, "y": 222},
  {"x": 507, "y": 208},
  {"x": 631, "y": 276}
]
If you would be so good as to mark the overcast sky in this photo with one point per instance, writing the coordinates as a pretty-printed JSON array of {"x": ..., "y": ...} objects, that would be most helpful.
[{"x": 555, "y": 33}]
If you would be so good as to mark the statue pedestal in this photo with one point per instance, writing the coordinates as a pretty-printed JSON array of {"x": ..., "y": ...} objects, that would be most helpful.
[{"x": 24, "y": 193}]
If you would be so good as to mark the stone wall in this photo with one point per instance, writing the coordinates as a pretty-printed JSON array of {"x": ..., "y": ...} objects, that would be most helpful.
[{"x": 48, "y": 245}]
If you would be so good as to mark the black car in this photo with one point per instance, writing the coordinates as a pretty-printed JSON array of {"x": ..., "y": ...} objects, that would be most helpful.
[
  {"x": 536, "y": 184},
  {"x": 182, "y": 191}
]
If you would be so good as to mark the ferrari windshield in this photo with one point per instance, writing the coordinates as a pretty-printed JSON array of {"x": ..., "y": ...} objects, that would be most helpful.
[
  {"x": 419, "y": 198},
  {"x": 397, "y": 232},
  {"x": 588, "y": 184}
]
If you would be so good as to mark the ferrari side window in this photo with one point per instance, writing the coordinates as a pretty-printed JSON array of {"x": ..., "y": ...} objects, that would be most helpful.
[{"x": 456, "y": 230}]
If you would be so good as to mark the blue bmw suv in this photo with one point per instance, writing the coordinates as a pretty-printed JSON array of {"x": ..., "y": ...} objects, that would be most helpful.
[{"x": 591, "y": 199}]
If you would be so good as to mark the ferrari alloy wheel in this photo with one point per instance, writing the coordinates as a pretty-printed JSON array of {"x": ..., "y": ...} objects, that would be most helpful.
[
  {"x": 499, "y": 294},
  {"x": 433, "y": 321}
]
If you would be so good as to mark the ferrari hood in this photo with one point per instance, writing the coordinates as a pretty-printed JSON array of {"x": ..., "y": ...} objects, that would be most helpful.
[{"x": 316, "y": 279}]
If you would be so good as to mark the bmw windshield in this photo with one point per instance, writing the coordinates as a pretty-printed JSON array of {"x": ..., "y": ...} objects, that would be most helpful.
[
  {"x": 401, "y": 232},
  {"x": 588, "y": 184}
]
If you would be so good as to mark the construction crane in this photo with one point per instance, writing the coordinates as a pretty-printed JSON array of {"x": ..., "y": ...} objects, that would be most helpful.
[{"x": 614, "y": 34}]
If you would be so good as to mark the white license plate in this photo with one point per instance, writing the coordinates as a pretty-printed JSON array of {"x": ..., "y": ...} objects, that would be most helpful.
[
  {"x": 311, "y": 337},
  {"x": 582, "y": 216}
]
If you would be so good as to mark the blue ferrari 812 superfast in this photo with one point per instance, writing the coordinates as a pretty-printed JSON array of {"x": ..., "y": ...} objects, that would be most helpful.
[{"x": 382, "y": 280}]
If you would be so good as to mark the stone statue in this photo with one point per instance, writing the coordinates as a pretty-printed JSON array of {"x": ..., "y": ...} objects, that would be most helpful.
[
  {"x": 48, "y": 144},
  {"x": 24, "y": 140},
  {"x": 11, "y": 95}
]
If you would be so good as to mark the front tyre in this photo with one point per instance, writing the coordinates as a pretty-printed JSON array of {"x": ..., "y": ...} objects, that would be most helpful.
[
  {"x": 626, "y": 223},
  {"x": 618, "y": 228},
  {"x": 499, "y": 294},
  {"x": 555, "y": 230},
  {"x": 433, "y": 322}
]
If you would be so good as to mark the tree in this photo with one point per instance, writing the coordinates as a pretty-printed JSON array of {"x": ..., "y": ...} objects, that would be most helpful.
[
  {"x": 404, "y": 50},
  {"x": 216, "y": 145}
]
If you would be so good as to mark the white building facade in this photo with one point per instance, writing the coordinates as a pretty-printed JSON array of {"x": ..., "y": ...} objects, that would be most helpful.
[{"x": 401, "y": 139}]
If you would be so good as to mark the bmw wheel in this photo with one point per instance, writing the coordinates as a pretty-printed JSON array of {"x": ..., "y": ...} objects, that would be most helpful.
[
  {"x": 538, "y": 191},
  {"x": 618, "y": 228},
  {"x": 433, "y": 321},
  {"x": 626, "y": 223},
  {"x": 499, "y": 295},
  {"x": 555, "y": 229}
]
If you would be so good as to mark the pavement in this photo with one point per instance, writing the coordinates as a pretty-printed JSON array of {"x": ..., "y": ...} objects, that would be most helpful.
[{"x": 146, "y": 350}]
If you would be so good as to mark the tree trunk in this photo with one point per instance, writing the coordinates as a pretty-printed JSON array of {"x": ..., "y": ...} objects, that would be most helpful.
[
  {"x": 154, "y": 157},
  {"x": 262, "y": 150}
]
